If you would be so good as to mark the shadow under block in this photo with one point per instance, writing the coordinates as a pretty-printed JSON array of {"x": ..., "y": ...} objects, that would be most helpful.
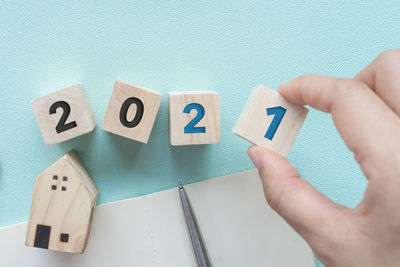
[
  {"x": 64, "y": 198},
  {"x": 63, "y": 114},
  {"x": 270, "y": 121},
  {"x": 194, "y": 118},
  {"x": 131, "y": 111}
]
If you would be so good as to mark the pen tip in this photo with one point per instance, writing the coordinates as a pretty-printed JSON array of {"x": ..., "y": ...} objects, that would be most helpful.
[{"x": 180, "y": 186}]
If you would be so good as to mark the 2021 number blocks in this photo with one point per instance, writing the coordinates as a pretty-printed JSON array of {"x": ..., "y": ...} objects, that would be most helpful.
[
  {"x": 270, "y": 121},
  {"x": 194, "y": 118}
]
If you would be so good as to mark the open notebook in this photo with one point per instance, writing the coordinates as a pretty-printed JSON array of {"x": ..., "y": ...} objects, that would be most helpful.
[{"x": 238, "y": 228}]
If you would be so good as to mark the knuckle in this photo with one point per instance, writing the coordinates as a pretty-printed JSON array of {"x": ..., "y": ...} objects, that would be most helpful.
[
  {"x": 325, "y": 250},
  {"x": 273, "y": 201},
  {"x": 304, "y": 81},
  {"x": 278, "y": 191},
  {"x": 274, "y": 197},
  {"x": 348, "y": 89},
  {"x": 344, "y": 85},
  {"x": 389, "y": 56}
]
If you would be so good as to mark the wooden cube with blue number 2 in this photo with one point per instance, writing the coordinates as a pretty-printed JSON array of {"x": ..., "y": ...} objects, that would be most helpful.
[
  {"x": 270, "y": 121},
  {"x": 194, "y": 118}
]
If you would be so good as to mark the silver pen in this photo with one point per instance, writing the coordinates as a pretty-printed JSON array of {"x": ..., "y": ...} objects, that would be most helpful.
[{"x": 197, "y": 242}]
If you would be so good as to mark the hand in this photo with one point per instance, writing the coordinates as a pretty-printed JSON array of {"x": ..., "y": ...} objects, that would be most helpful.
[{"x": 366, "y": 112}]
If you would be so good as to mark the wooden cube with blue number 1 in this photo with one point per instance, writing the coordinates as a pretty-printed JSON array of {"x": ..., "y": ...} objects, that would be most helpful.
[
  {"x": 194, "y": 118},
  {"x": 270, "y": 121}
]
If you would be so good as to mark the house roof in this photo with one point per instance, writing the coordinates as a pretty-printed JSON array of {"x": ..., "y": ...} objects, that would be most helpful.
[{"x": 72, "y": 159}]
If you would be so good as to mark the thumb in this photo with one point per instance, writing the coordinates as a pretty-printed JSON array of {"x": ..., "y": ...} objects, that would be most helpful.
[{"x": 308, "y": 211}]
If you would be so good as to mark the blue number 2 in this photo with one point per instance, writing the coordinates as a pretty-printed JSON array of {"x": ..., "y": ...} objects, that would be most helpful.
[
  {"x": 190, "y": 127},
  {"x": 278, "y": 113}
]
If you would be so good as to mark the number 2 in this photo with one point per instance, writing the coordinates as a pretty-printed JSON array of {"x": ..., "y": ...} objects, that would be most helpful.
[
  {"x": 190, "y": 127},
  {"x": 61, "y": 126},
  {"x": 278, "y": 113}
]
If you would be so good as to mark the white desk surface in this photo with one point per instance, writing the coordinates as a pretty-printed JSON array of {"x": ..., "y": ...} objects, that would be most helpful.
[{"x": 238, "y": 227}]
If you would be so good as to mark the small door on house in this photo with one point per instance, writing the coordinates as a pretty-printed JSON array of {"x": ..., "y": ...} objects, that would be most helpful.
[{"x": 42, "y": 236}]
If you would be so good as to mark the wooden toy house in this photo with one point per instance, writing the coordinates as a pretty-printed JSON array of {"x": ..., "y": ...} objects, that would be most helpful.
[{"x": 63, "y": 201}]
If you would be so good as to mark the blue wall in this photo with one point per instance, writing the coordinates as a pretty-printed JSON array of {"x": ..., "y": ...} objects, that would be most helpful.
[{"x": 174, "y": 45}]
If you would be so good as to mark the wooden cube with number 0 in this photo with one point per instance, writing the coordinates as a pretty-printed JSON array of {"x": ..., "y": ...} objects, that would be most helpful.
[
  {"x": 63, "y": 114},
  {"x": 131, "y": 111},
  {"x": 270, "y": 121},
  {"x": 194, "y": 118}
]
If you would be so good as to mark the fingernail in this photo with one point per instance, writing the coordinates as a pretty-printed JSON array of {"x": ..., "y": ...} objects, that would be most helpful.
[{"x": 255, "y": 158}]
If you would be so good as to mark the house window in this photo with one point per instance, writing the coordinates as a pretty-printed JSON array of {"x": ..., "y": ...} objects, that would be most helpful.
[
  {"x": 63, "y": 188},
  {"x": 53, "y": 187},
  {"x": 64, "y": 237},
  {"x": 55, "y": 177},
  {"x": 65, "y": 178}
]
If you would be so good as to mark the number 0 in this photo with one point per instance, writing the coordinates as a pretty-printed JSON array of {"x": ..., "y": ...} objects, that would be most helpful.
[
  {"x": 190, "y": 127},
  {"x": 278, "y": 113},
  {"x": 124, "y": 111}
]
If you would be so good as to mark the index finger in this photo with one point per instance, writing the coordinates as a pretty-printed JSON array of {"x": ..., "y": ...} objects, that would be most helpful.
[{"x": 367, "y": 125}]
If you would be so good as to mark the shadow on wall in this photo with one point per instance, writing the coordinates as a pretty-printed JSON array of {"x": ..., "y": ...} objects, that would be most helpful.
[
  {"x": 125, "y": 149},
  {"x": 95, "y": 159},
  {"x": 189, "y": 161},
  {"x": 80, "y": 144}
]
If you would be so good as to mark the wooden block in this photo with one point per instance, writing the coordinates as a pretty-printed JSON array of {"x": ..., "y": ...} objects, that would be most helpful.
[
  {"x": 270, "y": 121},
  {"x": 64, "y": 198},
  {"x": 194, "y": 118},
  {"x": 63, "y": 114},
  {"x": 131, "y": 111}
]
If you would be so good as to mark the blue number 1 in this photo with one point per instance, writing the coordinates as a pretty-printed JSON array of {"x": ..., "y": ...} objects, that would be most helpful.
[
  {"x": 278, "y": 113},
  {"x": 190, "y": 127}
]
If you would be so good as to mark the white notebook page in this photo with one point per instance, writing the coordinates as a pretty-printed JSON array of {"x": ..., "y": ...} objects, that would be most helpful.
[{"x": 238, "y": 228}]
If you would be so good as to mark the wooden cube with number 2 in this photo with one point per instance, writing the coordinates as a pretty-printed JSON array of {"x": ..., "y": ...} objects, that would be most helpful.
[
  {"x": 194, "y": 118},
  {"x": 270, "y": 121},
  {"x": 63, "y": 114}
]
